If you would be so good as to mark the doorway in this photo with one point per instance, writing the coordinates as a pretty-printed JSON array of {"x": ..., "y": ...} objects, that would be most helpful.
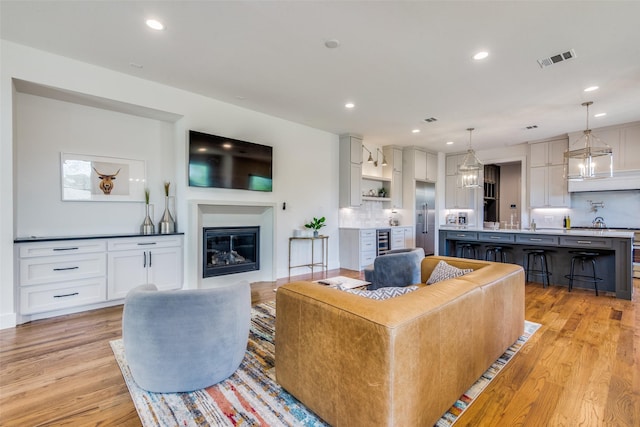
[{"x": 503, "y": 193}]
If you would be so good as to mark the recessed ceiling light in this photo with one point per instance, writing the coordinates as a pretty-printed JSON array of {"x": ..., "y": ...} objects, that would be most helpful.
[
  {"x": 480, "y": 55},
  {"x": 226, "y": 145},
  {"x": 592, "y": 88},
  {"x": 600, "y": 115},
  {"x": 449, "y": 142},
  {"x": 155, "y": 24},
  {"x": 349, "y": 105},
  {"x": 416, "y": 131},
  {"x": 332, "y": 44}
]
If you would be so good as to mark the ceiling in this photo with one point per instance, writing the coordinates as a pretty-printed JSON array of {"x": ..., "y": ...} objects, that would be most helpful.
[{"x": 398, "y": 61}]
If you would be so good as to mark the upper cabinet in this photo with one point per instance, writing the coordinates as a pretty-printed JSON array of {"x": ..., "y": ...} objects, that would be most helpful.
[
  {"x": 420, "y": 164},
  {"x": 350, "y": 171},
  {"x": 456, "y": 196},
  {"x": 547, "y": 185},
  {"x": 625, "y": 144},
  {"x": 393, "y": 171}
]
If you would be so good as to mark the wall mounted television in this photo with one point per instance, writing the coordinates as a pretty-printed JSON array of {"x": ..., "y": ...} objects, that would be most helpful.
[{"x": 220, "y": 162}]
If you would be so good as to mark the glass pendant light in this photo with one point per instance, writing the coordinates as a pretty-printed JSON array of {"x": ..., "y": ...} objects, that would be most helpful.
[
  {"x": 592, "y": 160},
  {"x": 469, "y": 170}
]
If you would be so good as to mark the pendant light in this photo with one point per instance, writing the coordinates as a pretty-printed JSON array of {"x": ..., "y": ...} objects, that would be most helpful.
[
  {"x": 469, "y": 170},
  {"x": 592, "y": 159}
]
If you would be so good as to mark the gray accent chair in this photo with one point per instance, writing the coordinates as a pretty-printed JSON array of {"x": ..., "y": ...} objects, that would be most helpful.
[
  {"x": 178, "y": 341},
  {"x": 399, "y": 267}
]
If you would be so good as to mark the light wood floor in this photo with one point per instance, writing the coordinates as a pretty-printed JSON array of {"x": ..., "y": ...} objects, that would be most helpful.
[{"x": 582, "y": 367}]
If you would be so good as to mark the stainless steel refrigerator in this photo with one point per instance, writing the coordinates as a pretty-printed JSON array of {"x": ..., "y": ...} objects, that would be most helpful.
[{"x": 425, "y": 216}]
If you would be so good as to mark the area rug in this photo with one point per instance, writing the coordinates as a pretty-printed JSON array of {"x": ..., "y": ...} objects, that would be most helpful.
[{"x": 251, "y": 396}]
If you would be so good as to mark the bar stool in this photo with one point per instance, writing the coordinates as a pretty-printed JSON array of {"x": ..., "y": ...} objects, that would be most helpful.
[
  {"x": 583, "y": 257},
  {"x": 468, "y": 250},
  {"x": 496, "y": 253},
  {"x": 531, "y": 255}
]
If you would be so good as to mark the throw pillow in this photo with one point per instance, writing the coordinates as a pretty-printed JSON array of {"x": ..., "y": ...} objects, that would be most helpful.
[
  {"x": 444, "y": 271},
  {"x": 383, "y": 293}
]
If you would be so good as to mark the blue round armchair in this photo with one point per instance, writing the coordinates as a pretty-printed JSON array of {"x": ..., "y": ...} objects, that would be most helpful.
[{"x": 185, "y": 340}]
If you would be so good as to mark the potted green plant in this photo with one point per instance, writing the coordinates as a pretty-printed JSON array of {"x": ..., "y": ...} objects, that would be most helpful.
[
  {"x": 315, "y": 224},
  {"x": 382, "y": 192}
]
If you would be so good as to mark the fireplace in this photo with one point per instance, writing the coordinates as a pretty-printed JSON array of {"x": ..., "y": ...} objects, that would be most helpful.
[{"x": 230, "y": 250}]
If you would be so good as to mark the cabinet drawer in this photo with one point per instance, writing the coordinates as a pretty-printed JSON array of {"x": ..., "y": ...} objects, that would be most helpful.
[
  {"x": 397, "y": 233},
  {"x": 367, "y": 258},
  {"x": 536, "y": 239},
  {"x": 368, "y": 244},
  {"x": 585, "y": 242},
  {"x": 128, "y": 244},
  {"x": 462, "y": 235},
  {"x": 496, "y": 237},
  {"x": 39, "y": 298},
  {"x": 65, "y": 247},
  {"x": 58, "y": 268}
]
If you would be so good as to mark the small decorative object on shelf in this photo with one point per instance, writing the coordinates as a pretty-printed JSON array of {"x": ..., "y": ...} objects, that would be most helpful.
[
  {"x": 167, "y": 224},
  {"x": 147, "y": 226},
  {"x": 382, "y": 192},
  {"x": 316, "y": 224}
]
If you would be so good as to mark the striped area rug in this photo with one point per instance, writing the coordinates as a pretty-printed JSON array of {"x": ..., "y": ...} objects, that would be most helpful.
[{"x": 251, "y": 396}]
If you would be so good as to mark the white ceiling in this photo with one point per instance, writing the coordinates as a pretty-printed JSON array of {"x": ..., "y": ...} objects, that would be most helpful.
[{"x": 399, "y": 61}]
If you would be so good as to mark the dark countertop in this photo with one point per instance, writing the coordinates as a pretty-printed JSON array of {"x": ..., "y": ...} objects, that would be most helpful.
[{"x": 33, "y": 239}]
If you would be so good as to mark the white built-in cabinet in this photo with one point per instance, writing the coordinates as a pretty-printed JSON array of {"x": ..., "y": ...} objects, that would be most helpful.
[
  {"x": 624, "y": 141},
  {"x": 455, "y": 195},
  {"x": 547, "y": 185},
  {"x": 137, "y": 261},
  {"x": 60, "y": 274},
  {"x": 420, "y": 164},
  {"x": 358, "y": 247},
  {"x": 402, "y": 237},
  {"x": 350, "y": 171},
  {"x": 393, "y": 171}
]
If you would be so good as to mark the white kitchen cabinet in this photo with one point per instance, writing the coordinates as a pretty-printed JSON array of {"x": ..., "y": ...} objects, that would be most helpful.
[
  {"x": 432, "y": 167},
  {"x": 350, "y": 171},
  {"x": 357, "y": 248},
  {"x": 456, "y": 196},
  {"x": 402, "y": 237},
  {"x": 420, "y": 160},
  {"x": 547, "y": 153},
  {"x": 71, "y": 274},
  {"x": 624, "y": 141},
  {"x": 393, "y": 171},
  {"x": 397, "y": 238},
  {"x": 547, "y": 184},
  {"x": 138, "y": 261}
]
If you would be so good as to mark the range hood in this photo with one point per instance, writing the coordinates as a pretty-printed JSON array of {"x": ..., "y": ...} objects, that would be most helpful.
[{"x": 622, "y": 180}]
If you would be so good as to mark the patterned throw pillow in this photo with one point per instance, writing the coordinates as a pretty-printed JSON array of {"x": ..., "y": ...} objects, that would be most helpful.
[
  {"x": 444, "y": 271},
  {"x": 383, "y": 293}
]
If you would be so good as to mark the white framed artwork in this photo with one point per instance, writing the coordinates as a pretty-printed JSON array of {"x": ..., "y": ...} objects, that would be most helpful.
[{"x": 86, "y": 178}]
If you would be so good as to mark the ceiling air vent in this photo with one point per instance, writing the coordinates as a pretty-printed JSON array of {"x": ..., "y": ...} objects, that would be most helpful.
[
  {"x": 431, "y": 119},
  {"x": 532, "y": 127},
  {"x": 545, "y": 62}
]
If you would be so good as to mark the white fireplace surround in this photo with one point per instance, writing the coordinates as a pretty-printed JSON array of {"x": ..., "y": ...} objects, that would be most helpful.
[{"x": 212, "y": 213}]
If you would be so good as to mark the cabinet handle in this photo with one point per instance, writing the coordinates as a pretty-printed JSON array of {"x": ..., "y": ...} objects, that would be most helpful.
[
  {"x": 66, "y": 295},
  {"x": 65, "y": 249},
  {"x": 146, "y": 244},
  {"x": 65, "y": 268},
  {"x": 584, "y": 242},
  {"x": 495, "y": 237},
  {"x": 531, "y": 239},
  {"x": 144, "y": 263},
  {"x": 149, "y": 258}
]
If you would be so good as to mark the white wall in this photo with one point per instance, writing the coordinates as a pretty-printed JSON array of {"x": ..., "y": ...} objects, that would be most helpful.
[{"x": 307, "y": 189}]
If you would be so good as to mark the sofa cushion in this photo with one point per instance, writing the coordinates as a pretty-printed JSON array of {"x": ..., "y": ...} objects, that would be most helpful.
[
  {"x": 444, "y": 271},
  {"x": 383, "y": 293}
]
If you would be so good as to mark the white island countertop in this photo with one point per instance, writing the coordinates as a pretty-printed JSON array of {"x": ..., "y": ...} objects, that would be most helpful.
[{"x": 620, "y": 234}]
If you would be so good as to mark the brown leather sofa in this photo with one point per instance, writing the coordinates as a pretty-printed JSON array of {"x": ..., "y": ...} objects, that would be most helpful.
[{"x": 404, "y": 361}]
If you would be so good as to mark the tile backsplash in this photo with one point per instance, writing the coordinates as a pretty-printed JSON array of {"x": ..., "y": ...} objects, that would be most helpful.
[
  {"x": 619, "y": 209},
  {"x": 370, "y": 214}
]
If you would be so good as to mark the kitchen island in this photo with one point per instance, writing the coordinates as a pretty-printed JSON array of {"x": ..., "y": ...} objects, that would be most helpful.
[{"x": 614, "y": 265}]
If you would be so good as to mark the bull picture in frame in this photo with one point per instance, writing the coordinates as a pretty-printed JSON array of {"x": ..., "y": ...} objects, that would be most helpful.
[{"x": 98, "y": 178}]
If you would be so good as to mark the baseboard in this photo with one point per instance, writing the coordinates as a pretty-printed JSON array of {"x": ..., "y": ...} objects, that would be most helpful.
[{"x": 8, "y": 321}]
